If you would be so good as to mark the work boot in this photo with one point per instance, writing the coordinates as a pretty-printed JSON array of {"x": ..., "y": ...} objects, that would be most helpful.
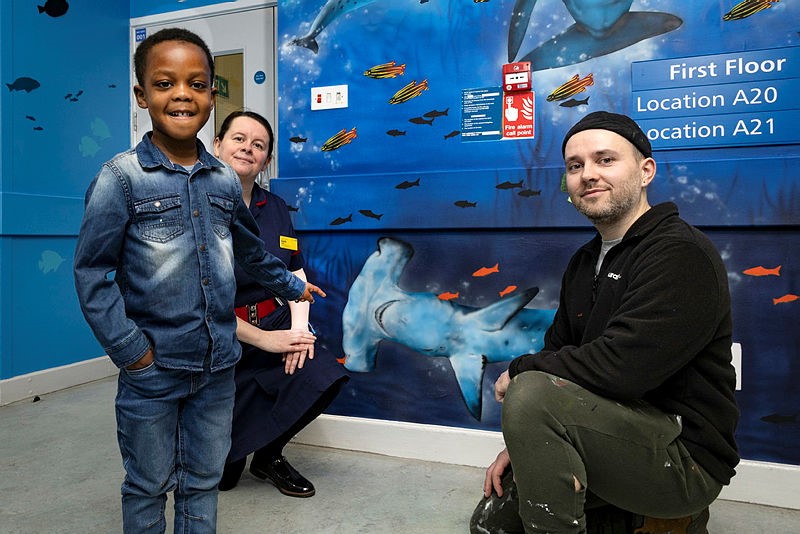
[
  {"x": 693, "y": 524},
  {"x": 609, "y": 519}
]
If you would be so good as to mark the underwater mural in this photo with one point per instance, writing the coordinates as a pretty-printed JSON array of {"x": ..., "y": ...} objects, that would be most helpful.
[
  {"x": 377, "y": 310},
  {"x": 441, "y": 241}
]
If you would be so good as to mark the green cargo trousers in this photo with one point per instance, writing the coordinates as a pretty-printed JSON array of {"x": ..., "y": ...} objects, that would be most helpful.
[{"x": 626, "y": 454}]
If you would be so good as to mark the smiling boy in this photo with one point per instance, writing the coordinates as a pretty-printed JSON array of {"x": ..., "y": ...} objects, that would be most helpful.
[{"x": 163, "y": 224}]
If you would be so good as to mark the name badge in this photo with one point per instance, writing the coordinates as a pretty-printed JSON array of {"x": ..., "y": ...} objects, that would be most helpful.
[{"x": 289, "y": 243}]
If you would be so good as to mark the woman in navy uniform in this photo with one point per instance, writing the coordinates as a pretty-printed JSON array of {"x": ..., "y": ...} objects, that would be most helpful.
[{"x": 282, "y": 383}]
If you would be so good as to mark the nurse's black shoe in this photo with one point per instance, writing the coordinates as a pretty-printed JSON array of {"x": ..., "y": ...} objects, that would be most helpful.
[
  {"x": 280, "y": 472},
  {"x": 231, "y": 474}
]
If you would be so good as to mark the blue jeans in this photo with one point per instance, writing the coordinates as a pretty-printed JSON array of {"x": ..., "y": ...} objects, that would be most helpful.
[{"x": 174, "y": 429}]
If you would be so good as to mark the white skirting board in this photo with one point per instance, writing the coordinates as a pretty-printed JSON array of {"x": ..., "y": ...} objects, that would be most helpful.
[
  {"x": 50, "y": 380},
  {"x": 755, "y": 482}
]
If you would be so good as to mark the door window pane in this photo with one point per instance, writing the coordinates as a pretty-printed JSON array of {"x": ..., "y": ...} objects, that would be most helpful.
[{"x": 230, "y": 86}]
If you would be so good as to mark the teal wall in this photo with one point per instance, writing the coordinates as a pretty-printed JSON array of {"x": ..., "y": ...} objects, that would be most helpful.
[
  {"x": 54, "y": 139},
  {"x": 143, "y": 8}
]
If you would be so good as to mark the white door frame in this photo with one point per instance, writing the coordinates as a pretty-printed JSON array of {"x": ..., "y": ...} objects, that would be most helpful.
[{"x": 200, "y": 12}]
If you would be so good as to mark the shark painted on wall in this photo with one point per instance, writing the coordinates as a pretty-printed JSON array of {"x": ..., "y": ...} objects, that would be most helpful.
[
  {"x": 378, "y": 309},
  {"x": 332, "y": 10},
  {"x": 600, "y": 28}
]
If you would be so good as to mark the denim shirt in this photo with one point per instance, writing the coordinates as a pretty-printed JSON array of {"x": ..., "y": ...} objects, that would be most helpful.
[{"x": 155, "y": 257}]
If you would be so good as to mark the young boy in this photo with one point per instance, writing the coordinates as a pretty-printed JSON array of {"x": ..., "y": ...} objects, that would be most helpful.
[{"x": 154, "y": 274}]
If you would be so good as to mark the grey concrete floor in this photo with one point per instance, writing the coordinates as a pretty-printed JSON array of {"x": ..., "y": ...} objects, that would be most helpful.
[{"x": 60, "y": 472}]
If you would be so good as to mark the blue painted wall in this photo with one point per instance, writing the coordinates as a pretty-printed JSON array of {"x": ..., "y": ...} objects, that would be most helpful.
[
  {"x": 404, "y": 172},
  {"x": 65, "y": 113},
  {"x": 142, "y": 8}
]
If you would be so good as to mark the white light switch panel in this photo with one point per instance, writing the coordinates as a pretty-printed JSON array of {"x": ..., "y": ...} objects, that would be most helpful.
[{"x": 330, "y": 97}]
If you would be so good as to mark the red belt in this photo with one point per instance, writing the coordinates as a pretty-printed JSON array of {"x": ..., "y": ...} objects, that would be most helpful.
[{"x": 253, "y": 313}]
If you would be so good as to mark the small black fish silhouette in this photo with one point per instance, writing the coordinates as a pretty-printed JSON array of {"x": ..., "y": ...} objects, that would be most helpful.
[
  {"x": 73, "y": 99},
  {"x": 23, "y": 84},
  {"x": 54, "y": 8},
  {"x": 779, "y": 419},
  {"x": 509, "y": 185},
  {"x": 112, "y": 86},
  {"x": 38, "y": 128},
  {"x": 452, "y": 134},
  {"x": 341, "y": 220},
  {"x": 465, "y": 204},
  {"x": 530, "y": 192},
  {"x": 79, "y": 93},
  {"x": 298, "y": 139},
  {"x": 67, "y": 96},
  {"x": 571, "y": 103},
  {"x": 420, "y": 120},
  {"x": 30, "y": 117},
  {"x": 292, "y": 208},
  {"x": 395, "y": 133},
  {"x": 432, "y": 114},
  {"x": 407, "y": 184},
  {"x": 371, "y": 214}
]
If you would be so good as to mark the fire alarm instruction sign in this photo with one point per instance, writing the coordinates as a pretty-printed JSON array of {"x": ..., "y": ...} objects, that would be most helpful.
[
  {"x": 487, "y": 114},
  {"x": 518, "y": 115},
  {"x": 480, "y": 114}
]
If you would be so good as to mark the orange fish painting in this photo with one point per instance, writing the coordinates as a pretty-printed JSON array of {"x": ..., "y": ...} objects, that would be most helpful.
[
  {"x": 763, "y": 271},
  {"x": 339, "y": 140},
  {"x": 447, "y": 295},
  {"x": 574, "y": 86},
  {"x": 784, "y": 299},
  {"x": 484, "y": 271},
  {"x": 507, "y": 290}
]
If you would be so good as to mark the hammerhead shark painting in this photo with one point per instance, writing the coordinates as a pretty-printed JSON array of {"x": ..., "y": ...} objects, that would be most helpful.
[
  {"x": 377, "y": 310},
  {"x": 600, "y": 28}
]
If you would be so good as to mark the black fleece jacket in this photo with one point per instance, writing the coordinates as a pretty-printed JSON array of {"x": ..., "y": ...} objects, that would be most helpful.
[{"x": 654, "y": 324}]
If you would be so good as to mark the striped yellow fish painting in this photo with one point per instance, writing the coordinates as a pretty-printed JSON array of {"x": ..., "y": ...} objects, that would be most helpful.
[
  {"x": 408, "y": 92},
  {"x": 339, "y": 140},
  {"x": 574, "y": 86},
  {"x": 386, "y": 70},
  {"x": 744, "y": 9}
]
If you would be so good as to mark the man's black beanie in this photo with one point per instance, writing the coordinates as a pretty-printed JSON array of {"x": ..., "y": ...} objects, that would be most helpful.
[{"x": 613, "y": 122}]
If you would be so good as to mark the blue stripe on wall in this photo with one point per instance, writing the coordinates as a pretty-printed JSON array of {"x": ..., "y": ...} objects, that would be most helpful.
[{"x": 40, "y": 215}]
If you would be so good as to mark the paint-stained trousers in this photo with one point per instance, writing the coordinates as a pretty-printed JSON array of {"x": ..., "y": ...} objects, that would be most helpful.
[{"x": 625, "y": 454}]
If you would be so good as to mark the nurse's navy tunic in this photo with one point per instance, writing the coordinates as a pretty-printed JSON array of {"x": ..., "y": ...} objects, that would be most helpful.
[{"x": 268, "y": 401}]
